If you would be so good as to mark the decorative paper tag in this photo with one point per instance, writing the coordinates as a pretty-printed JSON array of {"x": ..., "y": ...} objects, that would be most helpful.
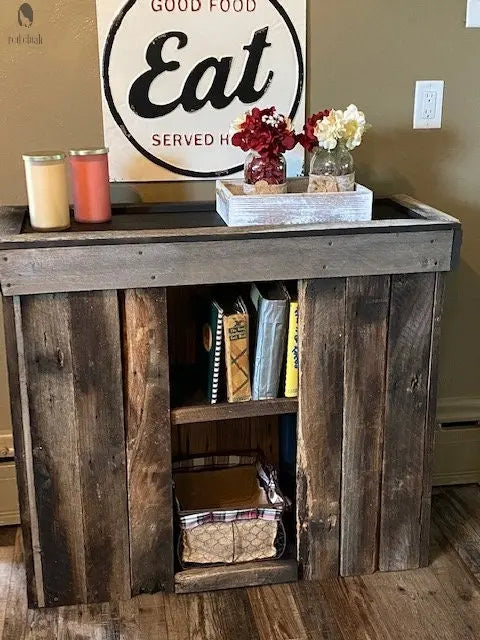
[
  {"x": 262, "y": 187},
  {"x": 331, "y": 184}
]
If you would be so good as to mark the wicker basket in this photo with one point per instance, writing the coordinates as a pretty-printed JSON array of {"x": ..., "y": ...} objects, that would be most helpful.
[{"x": 240, "y": 514}]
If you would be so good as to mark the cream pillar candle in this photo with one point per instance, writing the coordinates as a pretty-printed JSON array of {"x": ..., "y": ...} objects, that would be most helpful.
[{"x": 47, "y": 190}]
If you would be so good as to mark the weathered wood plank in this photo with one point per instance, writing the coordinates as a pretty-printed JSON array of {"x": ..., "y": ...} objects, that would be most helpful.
[
  {"x": 23, "y": 449},
  {"x": 315, "y": 610},
  {"x": 408, "y": 361},
  {"x": 28, "y": 271},
  {"x": 6, "y": 562},
  {"x": 455, "y": 514},
  {"x": 320, "y": 425},
  {"x": 98, "y": 408},
  {"x": 248, "y": 574},
  {"x": 11, "y": 220},
  {"x": 215, "y": 616},
  {"x": 149, "y": 456},
  {"x": 421, "y": 210},
  {"x": 431, "y": 420},
  {"x": 227, "y": 411},
  {"x": 47, "y": 332},
  {"x": 367, "y": 306},
  {"x": 75, "y": 403},
  {"x": 276, "y": 613},
  {"x": 16, "y": 603}
]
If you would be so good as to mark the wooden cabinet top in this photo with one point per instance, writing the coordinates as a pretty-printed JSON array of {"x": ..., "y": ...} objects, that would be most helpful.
[{"x": 188, "y": 244}]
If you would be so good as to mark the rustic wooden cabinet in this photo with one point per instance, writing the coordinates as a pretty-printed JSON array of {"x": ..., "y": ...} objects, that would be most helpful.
[{"x": 97, "y": 317}]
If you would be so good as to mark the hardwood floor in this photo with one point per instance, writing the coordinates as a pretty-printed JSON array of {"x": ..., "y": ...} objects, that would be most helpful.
[{"x": 442, "y": 601}]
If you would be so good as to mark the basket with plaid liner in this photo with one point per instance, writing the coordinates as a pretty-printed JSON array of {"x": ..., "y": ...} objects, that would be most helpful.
[{"x": 229, "y": 508}]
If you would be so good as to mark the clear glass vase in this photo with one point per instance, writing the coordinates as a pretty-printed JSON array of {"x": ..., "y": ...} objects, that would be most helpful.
[
  {"x": 332, "y": 170},
  {"x": 265, "y": 174}
]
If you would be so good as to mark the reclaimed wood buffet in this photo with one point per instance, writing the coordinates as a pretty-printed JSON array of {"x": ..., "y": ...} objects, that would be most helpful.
[{"x": 97, "y": 320}]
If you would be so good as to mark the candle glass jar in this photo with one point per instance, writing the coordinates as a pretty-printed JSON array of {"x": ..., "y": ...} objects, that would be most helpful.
[
  {"x": 47, "y": 189},
  {"x": 90, "y": 185}
]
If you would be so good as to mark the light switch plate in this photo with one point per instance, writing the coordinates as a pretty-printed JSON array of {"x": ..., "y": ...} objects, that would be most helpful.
[
  {"x": 473, "y": 13},
  {"x": 428, "y": 104}
]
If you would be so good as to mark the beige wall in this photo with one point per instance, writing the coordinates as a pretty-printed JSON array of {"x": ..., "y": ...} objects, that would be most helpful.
[{"x": 367, "y": 51}]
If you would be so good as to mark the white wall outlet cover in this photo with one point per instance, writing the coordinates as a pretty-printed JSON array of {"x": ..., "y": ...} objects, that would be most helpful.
[
  {"x": 428, "y": 104},
  {"x": 473, "y": 13}
]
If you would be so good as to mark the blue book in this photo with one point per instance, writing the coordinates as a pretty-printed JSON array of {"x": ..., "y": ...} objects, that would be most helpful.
[{"x": 271, "y": 304}]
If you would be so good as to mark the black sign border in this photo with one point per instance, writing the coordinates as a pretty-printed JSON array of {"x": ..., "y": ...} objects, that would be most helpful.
[{"x": 118, "y": 119}]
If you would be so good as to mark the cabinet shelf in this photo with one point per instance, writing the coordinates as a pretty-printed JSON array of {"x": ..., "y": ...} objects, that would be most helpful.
[
  {"x": 249, "y": 574},
  {"x": 226, "y": 411}
]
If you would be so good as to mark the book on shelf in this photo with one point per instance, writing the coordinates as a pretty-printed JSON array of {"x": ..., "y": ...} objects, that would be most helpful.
[
  {"x": 213, "y": 364},
  {"x": 271, "y": 303},
  {"x": 237, "y": 347},
  {"x": 292, "y": 360}
]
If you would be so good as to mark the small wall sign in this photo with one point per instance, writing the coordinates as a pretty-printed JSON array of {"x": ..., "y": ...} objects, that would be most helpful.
[{"x": 176, "y": 73}]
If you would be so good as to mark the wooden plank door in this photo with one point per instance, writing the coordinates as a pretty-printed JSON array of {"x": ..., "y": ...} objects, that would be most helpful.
[
  {"x": 68, "y": 375},
  {"x": 367, "y": 398}
]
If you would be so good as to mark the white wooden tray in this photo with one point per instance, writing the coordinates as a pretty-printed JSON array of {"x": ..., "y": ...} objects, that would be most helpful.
[{"x": 294, "y": 207}]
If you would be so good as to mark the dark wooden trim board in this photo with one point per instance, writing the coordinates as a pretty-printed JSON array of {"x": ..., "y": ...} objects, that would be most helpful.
[
  {"x": 233, "y": 411},
  {"x": 250, "y": 574},
  {"x": 33, "y": 271}
]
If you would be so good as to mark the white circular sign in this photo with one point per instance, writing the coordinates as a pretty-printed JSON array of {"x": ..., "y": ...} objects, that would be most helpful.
[{"x": 176, "y": 73}]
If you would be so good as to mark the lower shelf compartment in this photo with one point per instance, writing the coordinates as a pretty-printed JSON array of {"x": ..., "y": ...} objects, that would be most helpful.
[{"x": 250, "y": 574}]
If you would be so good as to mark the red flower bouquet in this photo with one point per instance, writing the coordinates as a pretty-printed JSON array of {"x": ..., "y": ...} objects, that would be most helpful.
[
  {"x": 267, "y": 135},
  {"x": 308, "y": 139}
]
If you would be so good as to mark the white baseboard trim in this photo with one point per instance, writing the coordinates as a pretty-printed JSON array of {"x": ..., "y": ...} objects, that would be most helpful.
[
  {"x": 8, "y": 495},
  {"x": 458, "y": 410}
]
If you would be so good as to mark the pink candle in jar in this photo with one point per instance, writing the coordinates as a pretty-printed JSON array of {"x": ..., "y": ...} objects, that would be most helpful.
[{"x": 90, "y": 184}]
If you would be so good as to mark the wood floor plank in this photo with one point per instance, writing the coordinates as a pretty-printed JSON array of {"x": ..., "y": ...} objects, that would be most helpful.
[
  {"x": 315, "y": 611},
  {"x": 6, "y": 561},
  {"x": 151, "y": 617},
  {"x": 93, "y": 621},
  {"x": 457, "y": 582},
  {"x": 419, "y": 598},
  {"x": 16, "y": 601},
  {"x": 276, "y": 614},
  {"x": 353, "y": 610},
  {"x": 176, "y": 617},
  {"x": 42, "y": 624},
  {"x": 220, "y": 616},
  {"x": 452, "y": 515}
]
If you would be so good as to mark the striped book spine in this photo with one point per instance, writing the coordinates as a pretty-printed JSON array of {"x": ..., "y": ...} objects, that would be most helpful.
[{"x": 217, "y": 362}]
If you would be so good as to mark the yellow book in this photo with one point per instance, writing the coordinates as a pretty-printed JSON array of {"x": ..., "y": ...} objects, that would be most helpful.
[{"x": 291, "y": 377}]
